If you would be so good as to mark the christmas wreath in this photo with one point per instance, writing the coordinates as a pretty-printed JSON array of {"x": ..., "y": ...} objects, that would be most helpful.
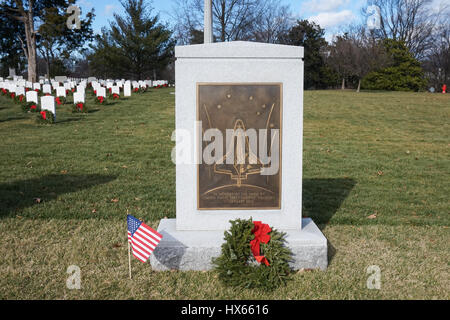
[
  {"x": 18, "y": 98},
  {"x": 60, "y": 100},
  {"x": 79, "y": 107},
  {"x": 100, "y": 100},
  {"x": 136, "y": 90},
  {"x": 253, "y": 255},
  {"x": 30, "y": 107},
  {"x": 115, "y": 96},
  {"x": 45, "y": 116},
  {"x": 4, "y": 91}
]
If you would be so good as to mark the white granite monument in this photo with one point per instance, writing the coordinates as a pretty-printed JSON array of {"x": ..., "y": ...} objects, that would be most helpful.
[{"x": 232, "y": 86}]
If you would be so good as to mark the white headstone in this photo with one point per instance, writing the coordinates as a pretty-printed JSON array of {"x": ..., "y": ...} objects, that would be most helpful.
[
  {"x": 32, "y": 96},
  {"x": 127, "y": 89},
  {"x": 115, "y": 89},
  {"x": 78, "y": 97},
  {"x": 101, "y": 92},
  {"x": 48, "y": 103},
  {"x": 36, "y": 85},
  {"x": 61, "y": 92},
  {"x": 20, "y": 91},
  {"x": 46, "y": 88}
]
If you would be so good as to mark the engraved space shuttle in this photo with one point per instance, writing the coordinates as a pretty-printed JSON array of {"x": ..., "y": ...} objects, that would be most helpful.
[{"x": 240, "y": 160}]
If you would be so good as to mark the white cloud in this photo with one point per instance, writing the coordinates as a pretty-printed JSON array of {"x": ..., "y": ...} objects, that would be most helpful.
[
  {"x": 332, "y": 19},
  {"x": 109, "y": 9},
  {"x": 324, "y": 5}
]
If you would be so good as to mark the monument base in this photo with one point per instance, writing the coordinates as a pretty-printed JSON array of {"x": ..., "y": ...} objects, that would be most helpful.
[{"x": 193, "y": 250}]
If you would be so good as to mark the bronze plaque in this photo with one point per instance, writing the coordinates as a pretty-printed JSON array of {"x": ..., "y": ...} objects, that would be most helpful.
[{"x": 236, "y": 182}]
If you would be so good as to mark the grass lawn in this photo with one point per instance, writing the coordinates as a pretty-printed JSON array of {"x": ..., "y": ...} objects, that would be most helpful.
[{"x": 376, "y": 177}]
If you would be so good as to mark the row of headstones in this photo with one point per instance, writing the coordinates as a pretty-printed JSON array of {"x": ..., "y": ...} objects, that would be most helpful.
[{"x": 18, "y": 85}]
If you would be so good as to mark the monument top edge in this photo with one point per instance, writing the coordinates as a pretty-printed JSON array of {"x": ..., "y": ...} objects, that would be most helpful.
[{"x": 239, "y": 49}]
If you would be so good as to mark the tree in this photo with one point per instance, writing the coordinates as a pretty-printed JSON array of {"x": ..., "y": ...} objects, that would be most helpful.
[
  {"x": 403, "y": 74},
  {"x": 311, "y": 36},
  {"x": 136, "y": 45},
  {"x": 355, "y": 54},
  {"x": 437, "y": 62},
  {"x": 38, "y": 25},
  {"x": 25, "y": 12},
  {"x": 339, "y": 57},
  {"x": 11, "y": 53},
  {"x": 260, "y": 20},
  {"x": 57, "y": 41},
  {"x": 410, "y": 21}
]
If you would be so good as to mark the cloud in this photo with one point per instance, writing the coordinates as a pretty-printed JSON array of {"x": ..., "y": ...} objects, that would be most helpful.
[
  {"x": 324, "y": 5},
  {"x": 109, "y": 9},
  {"x": 332, "y": 19}
]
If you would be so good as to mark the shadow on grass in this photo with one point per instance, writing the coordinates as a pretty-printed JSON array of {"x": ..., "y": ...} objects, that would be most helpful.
[
  {"x": 67, "y": 120},
  {"x": 21, "y": 194},
  {"x": 323, "y": 197},
  {"x": 12, "y": 119}
]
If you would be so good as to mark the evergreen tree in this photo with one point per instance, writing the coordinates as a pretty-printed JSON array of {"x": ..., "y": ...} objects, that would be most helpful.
[
  {"x": 403, "y": 74},
  {"x": 135, "y": 46},
  {"x": 311, "y": 36}
]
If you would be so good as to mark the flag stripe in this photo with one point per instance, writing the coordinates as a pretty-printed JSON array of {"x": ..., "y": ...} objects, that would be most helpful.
[
  {"x": 143, "y": 242},
  {"x": 139, "y": 257},
  {"x": 149, "y": 236},
  {"x": 141, "y": 248},
  {"x": 143, "y": 236},
  {"x": 151, "y": 230}
]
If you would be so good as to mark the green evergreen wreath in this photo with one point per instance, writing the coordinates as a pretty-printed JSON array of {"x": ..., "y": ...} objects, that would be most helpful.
[
  {"x": 30, "y": 107},
  {"x": 237, "y": 266},
  {"x": 45, "y": 116}
]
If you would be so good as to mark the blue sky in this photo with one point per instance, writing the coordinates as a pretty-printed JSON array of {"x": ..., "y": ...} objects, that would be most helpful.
[{"x": 330, "y": 14}]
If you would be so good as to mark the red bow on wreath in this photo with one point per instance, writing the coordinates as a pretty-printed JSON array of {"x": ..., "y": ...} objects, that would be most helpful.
[
  {"x": 58, "y": 101},
  {"x": 33, "y": 107},
  {"x": 80, "y": 106},
  {"x": 44, "y": 116},
  {"x": 261, "y": 232}
]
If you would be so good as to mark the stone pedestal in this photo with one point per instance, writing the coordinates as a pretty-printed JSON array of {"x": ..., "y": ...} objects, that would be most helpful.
[{"x": 193, "y": 250}]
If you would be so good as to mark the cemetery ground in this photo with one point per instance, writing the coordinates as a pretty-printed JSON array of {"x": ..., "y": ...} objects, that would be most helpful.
[{"x": 375, "y": 180}]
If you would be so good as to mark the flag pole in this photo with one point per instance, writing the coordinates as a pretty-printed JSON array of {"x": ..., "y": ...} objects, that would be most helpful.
[
  {"x": 129, "y": 254},
  {"x": 129, "y": 259}
]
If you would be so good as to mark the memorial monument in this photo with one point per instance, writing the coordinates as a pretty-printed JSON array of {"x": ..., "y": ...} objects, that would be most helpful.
[{"x": 242, "y": 104}]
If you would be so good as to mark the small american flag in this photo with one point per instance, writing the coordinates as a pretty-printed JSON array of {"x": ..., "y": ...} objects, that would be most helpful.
[{"x": 142, "y": 238}]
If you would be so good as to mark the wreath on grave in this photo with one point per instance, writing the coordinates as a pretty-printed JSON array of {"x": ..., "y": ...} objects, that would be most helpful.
[
  {"x": 30, "y": 107},
  {"x": 100, "y": 100},
  {"x": 4, "y": 91},
  {"x": 19, "y": 99},
  {"x": 60, "y": 100},
  {"x": 115, "y": 96},
  {"x": 45, "y": 116},
  {"x": 136, "y": 90},
  {"x": 79, "y": 107},
  {"x": 253, "y": 255}
]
